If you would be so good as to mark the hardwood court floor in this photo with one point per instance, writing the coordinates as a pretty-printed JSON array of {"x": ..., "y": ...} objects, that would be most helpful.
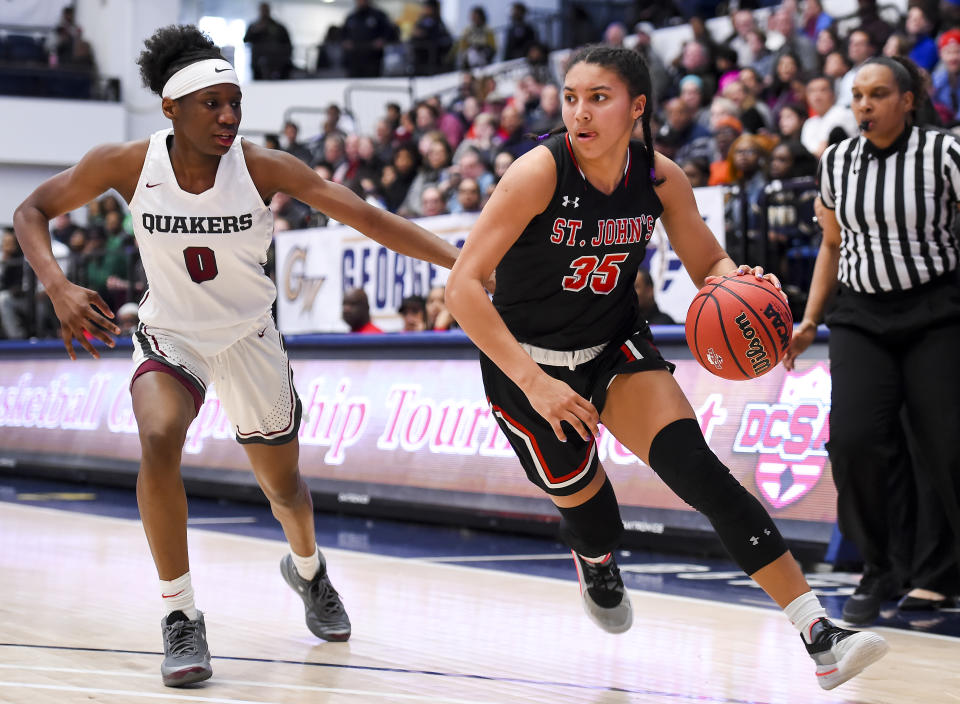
[{"x": 78, "y": 623}]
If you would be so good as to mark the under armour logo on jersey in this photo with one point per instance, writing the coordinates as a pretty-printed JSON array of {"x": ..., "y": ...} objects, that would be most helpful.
[{"x": 575, "y": 202}]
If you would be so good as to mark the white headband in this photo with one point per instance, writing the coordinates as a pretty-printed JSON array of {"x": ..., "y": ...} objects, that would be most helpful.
[{"x": 201, "y": 74}]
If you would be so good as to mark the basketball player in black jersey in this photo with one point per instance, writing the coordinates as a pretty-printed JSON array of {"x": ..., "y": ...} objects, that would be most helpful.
[{"x": 564, "y": 346}]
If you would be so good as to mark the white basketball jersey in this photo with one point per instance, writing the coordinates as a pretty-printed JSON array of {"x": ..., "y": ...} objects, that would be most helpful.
[{"x": 203, "y": 253}]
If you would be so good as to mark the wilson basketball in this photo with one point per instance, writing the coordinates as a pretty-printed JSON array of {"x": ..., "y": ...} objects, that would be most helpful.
[{"x": 738, "y": 327}]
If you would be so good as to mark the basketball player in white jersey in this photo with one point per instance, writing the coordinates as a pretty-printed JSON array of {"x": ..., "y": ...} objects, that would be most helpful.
[{"x": 197, "y": 196}]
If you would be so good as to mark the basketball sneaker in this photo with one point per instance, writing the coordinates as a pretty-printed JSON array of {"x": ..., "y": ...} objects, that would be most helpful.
[
  {"x": 186, "y": 655},
  {"x": 326, "y": 617},
  {"x": 604, "y": 597},
  {"x": 841, "y": 654}
]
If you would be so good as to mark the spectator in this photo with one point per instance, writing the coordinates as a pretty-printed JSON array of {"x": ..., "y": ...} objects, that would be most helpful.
[
  {"x": 697, "y": 171},
  {"x": 727, "y": 130},
  {"x": 356, "y": 312},
  {"x": 330, "y": 53},
  {"x": 62, "y": 227},
  {"x": 826, "y": 43},
  {"x": 649, "y": 310},
  {"x": 872, "y": 23},
  {"x": 691, "y": 93},
  {"x": 290, "y": 132},
  {"x": 520, "y": 34},
  {"x": 782, "y": 89},
  {"x": 413, "y": 309},
  {"x": 658, "y": 69},
  {"x": 432, "y": 203},
  {"x": 764, "y": 58},
  {"x": 743, "y": 23},
  {"x": 514, "y": 132},
  {"x": 14, "y": 301},
  {"x": 814, "y": 20},
  {"x": 396, "y": 177},
  {"x": 430, "y": 41},
  {"x": 835, "y": 67},
  {"x": 128, "y": 317},
  {"x": 471, "y": 166},
  {"x": 920, "y": 30},
  {"x": 329, "y": 128},
  {"x": 790, "y": 121},
  {"x": 898, "y": 44},
  {"x": 501, "y": 163},
  {"x": 547, "y": 114},
  {"x": 795, "y": 42},
  {"x": 476, "y": 46},
  {"x": 438, "y": 317},
  {"x": 271, "y": 141},
  {"x": 108, "y": 263},
  {"x": 860, "y": 47},
  {"x": 754, "y": 115},
  {"x": 293, "y": 211},
  {"x": 469, "y": 197},
  {"x": 270, "y": 47},
  {"x": 432, "y": 173},
  {"x": 826, "y": 116},
  {"x": 747, "y": 168},
  {"x": 614, "y": 34},
  {"x": 366, "y": 31},
  {"x": 482, "y": 137},
  {"x": 946, "y": 79}
]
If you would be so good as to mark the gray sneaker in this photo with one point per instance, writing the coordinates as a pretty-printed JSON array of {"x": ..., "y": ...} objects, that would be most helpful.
[
  {"x": 326, "y": 617},
  {"x": 186, "y": 655},
  {"x": 604, "y": 597},
  {"x": 841, "y": 654}
]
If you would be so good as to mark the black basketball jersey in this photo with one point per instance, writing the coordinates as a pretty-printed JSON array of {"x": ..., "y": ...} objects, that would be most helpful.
[{"x": 567, "y": 282}]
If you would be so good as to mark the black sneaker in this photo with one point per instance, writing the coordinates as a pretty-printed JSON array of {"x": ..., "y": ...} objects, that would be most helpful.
[
  {"x": 841, "y": 654},
  {"x": 862, "y": 609},
  {"x": 186, "y": 655},
  {"x": 604, "y": 597},
  {"x": 326, "y": 617}
]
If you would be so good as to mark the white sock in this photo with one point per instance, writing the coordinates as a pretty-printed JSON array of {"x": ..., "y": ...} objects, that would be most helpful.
[
  {"x": 803, "y": 612},
  {"x": 177, "y": 595},
  {"x": 307, "y": 567},
  {"x": 595, "y": 560}
]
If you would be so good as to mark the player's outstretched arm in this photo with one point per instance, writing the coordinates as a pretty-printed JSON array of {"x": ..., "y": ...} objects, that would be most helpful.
[
  {"x": 274, "y": 171},
  {"x": 78, "y": 309}
]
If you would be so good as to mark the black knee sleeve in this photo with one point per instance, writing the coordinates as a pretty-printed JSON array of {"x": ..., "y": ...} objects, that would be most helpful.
[
  {"x": 593, "y": 528},
  {"x": 680, "y": 456}
]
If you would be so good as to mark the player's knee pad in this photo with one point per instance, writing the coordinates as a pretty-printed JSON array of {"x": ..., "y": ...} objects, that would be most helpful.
[
  {"x": 682, "y": 459},
  {"x": 593, "y": 528}
]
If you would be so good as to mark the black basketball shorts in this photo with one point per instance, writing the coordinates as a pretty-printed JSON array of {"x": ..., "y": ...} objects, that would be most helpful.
[{"x": 563, "y": 468}]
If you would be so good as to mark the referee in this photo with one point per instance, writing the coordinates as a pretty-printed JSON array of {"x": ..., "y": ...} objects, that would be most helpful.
[{"x": 887, "y": 203}]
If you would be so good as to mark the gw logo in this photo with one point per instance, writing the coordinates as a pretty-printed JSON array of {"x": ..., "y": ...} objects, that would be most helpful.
[
  {"x": 296, "y": 285},
  {"x": 575, "y": 202}
]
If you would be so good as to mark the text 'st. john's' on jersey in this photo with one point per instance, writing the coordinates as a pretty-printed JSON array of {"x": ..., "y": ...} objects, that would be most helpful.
[
  {"x": 204, "y": 253},
  {"x": 567, "y": 282}
]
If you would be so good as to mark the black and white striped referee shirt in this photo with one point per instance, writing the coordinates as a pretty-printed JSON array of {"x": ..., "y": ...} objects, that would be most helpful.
[{"x": 895, "y": 207}]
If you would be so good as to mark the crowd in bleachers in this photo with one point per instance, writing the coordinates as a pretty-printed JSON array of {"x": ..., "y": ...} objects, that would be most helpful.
[
  {"x": 751, "y": 113},
  {"x": 56, "y": 62}
]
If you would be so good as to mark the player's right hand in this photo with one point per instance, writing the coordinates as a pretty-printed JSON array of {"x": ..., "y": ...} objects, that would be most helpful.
[
  {"x": 803, "y": 336},
  {"x": 81, "y": 310},
  {"x": 556, "y": 402}
]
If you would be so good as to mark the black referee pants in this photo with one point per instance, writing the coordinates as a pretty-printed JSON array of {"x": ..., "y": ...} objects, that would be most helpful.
[{"x": 874, "y": 377}]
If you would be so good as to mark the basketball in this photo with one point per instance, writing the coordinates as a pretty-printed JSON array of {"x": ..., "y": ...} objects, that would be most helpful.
[{"x": 738, "y": 327}]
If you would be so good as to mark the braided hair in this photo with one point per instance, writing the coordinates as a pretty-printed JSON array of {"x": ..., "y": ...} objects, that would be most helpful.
[
  {"x": 630, "y": 66},
  {"x": 169, "y": 50}
]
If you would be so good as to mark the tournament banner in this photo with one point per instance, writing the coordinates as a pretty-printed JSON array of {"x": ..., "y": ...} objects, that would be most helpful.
[
  {"x": 315, "y": 267},
  {"x": 397, "y": 429}
]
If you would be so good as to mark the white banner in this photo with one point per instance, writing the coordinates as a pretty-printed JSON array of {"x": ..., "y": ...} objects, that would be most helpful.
[
  {"x": 673, "y": 288},
  {"x": 315, "y": 267}
]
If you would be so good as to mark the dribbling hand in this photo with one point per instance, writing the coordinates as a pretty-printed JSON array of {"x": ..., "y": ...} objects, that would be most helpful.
[
  {"x": 80, "y": 309},
  {"x": 744, "y": 270},
  {"x": 803, "y": 336},
  {"x": 556, "y": 402}
]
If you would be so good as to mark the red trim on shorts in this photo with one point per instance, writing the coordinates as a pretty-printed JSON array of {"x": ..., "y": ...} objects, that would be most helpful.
[
  {"x": 536, "y": 448},
  {"x": 627, "y": 353},
  {"x": 152, "y": 365}
]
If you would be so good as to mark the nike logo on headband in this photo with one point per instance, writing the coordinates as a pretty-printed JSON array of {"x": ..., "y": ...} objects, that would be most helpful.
[{"x": 220, "y": 70}]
